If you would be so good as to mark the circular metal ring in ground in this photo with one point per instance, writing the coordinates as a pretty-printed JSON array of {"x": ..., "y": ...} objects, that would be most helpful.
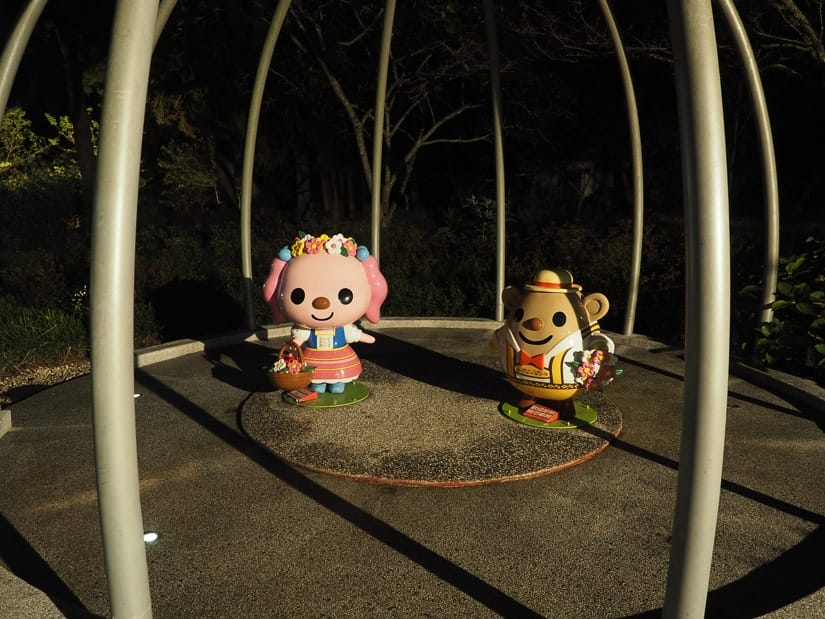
[{"x": 412, "y": 431}]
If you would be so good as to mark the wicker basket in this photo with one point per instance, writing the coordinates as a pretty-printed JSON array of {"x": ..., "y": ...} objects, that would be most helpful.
[{"x": 286, "y": 380}]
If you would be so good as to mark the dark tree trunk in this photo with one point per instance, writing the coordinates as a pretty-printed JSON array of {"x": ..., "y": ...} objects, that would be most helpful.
[{"x": 81, "y": 121}]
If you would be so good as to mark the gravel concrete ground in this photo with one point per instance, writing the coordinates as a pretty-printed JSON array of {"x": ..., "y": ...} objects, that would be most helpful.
[
  {"x": 244, "y": 534},
  {"x": 16, "y": 385}
]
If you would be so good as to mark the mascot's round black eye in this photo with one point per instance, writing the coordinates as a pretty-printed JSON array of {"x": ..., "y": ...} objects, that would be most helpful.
[
  {"x": 518, "y": 315},
  {"x": 559, "y": 318},
  {"x": 297, "y": 296},
  {"x": 345, "y": 296}
]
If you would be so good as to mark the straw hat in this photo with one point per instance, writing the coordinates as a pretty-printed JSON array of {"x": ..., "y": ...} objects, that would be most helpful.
[{"x": 553, "y": 280}]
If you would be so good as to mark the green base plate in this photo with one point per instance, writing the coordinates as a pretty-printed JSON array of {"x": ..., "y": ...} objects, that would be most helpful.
[
  {"x": 353, "y": 392},
  {"x": 584, "y": 416}
]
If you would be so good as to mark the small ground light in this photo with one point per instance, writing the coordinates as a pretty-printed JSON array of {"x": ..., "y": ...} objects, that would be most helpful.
[
  {"x": 137, "y": 395},
  {"x": 150, "y": 537}
]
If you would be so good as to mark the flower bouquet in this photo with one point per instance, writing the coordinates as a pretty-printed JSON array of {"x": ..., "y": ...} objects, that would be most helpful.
[
  {"x": 596, "y": 369},
  {"x": 290, "y": 371}
]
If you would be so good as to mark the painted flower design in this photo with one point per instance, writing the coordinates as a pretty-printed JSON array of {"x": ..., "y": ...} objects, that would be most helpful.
[
  {"x": 335, "y": 243},
  {"x": 586, "y": 369},
  {"x": 308, "y": 244},
  {"x": 290, "y": 364},
  {"x": 313, "y": 245},
  {"x": 297, "y": 247},
  {"x": 350, "y": 245},
  {"x": 294, "y": 365}
]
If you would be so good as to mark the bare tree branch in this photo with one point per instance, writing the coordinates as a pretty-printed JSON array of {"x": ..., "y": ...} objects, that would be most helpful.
[
  {"x": 425, "y": 81},
  {"x": 810, "y": 39}
]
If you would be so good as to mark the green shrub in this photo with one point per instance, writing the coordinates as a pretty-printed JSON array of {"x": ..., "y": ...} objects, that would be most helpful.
[
  {"x": 147, "y": 330},
  {"x": 794, "y": 340},
  {"x": 599, "y": 257},
  {"x": 440, "y": 268},
  {"x": 35, "y": 335},
  {"x": 165, "y": 254}
]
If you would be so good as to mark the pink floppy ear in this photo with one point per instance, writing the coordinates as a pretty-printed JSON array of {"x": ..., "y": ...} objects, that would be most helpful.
[
  {"x": 272, "y": 290},
  {"x": 378, "y": 288}
]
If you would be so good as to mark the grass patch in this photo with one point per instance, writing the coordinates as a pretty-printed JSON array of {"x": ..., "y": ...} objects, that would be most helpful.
[{"x": 30, "y": 336}]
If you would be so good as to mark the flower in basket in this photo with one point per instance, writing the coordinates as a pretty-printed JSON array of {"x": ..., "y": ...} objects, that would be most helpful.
[
  {"x": 290, "y": 364},
  {"x": 596, "y": 369}
]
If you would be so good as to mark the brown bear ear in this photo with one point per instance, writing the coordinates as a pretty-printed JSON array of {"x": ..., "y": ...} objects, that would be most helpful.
[
  {"x": 511, "y": 296},
  {"x": 596, "y": 305}
]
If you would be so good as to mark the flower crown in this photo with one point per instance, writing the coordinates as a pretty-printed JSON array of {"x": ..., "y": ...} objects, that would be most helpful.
[{"x": 335, "y": 244}]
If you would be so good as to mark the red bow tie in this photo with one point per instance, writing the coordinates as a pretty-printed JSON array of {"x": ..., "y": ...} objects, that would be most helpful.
[{"x": 537, "y": 360}]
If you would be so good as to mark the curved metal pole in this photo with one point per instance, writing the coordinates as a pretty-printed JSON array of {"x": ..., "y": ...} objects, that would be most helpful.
[
  {"x": 15, "y": 48},
  {"x": 164, "y": 11},
  {"x": 770, "y": 185},
  {"x": 495, "y": 84},
  {"x": 112, "y": 302},
  {"x": 252, "y": 122},
  {"x": 378, "y": 133},
  {"x": 707, "y": 307},
  {"x": 636, "y": 157}
]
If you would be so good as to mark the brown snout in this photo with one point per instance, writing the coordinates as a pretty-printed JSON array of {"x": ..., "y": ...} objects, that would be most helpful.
[
  {"x": 534, "y": 324},
  {"x": 320, "y": 303}
]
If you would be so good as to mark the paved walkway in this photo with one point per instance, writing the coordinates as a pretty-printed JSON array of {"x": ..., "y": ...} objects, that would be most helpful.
[{"x": 244, "y": 534}]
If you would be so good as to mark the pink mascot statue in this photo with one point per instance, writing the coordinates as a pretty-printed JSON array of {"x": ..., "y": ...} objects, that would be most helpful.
[{"x": 325, "y": 284}]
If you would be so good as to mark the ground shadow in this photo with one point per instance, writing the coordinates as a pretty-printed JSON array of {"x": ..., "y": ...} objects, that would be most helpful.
[
  {"x": 730, "y": 486},
  {"x": 247, "y": 370},
  {"x": 436, "y": 564},
  {"x": 800, "y": 412},
  {"x": 784, "y": 580},
  {"x": 179, "y": 309},
  {"x": 790, "y": 577},
  {"x": 17, "y": 394},
  {"x": 795, "y": 574},
  {"x": 26, "y": 563},
  {"x": 433, "y": 368},
  {"x": 244, "y": 366}
]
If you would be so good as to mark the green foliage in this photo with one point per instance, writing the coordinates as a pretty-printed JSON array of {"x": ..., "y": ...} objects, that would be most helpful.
[
  {"x": 39, "y": 191},
  {"x": 36, "y": 335},
  {"x": 417, "y": 269},
  {"x": 442, "y": 270},
  {"x": 794, "y": 340},
  {"x": 599, "y": 257},
  {"x": 147, "y": 329},
  {"x": 24, "y": 154},
  {"x": 482, "y": 217},
  {"x": 189, "y": 176},
  {"x": 439, "y": 250},
  {"x": 165, "y": 254},
  {"x": 36, "y": 277},
  {"x": 449, "y": 269},
  {"x": 65, "y": 138},
  {"x": 19, "y": 145}
]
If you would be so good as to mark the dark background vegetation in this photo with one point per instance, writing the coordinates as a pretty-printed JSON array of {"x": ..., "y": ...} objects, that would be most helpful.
[{"x": 566, "y": 153}]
